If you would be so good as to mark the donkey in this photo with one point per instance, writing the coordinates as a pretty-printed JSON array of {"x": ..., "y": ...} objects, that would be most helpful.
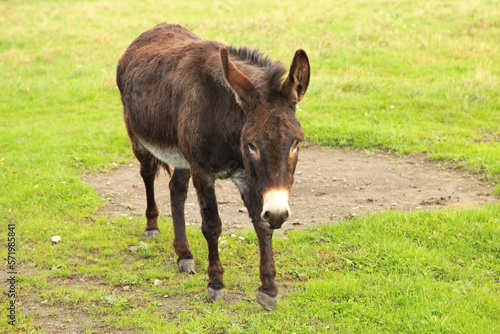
[{"x": 205, "y": 110}]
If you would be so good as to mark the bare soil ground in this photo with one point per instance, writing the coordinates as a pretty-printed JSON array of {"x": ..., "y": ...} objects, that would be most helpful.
[{"x": 329, "y": 184}]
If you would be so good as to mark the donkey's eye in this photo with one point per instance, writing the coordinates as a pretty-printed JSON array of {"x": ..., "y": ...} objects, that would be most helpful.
[
  {"x": 295, "y": 147},
  {"x": 252, "y": 148}
]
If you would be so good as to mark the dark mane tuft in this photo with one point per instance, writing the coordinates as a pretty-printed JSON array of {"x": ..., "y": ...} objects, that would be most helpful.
[{"x": 275, "y": 70}]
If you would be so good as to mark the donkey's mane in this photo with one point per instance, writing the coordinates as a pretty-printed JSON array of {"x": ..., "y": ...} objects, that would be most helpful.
[{"x": 274, "y": 68}]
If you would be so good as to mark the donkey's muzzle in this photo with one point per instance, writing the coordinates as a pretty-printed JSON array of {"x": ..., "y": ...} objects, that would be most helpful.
[
  {"x": 274, "y": 220},
  {"x": 275, "y": 210}
]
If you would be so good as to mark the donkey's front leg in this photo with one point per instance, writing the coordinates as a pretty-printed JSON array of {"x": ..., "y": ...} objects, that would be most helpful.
[
  {"x": 211, "y": 228},
  {"x": 266, "y": 294}
]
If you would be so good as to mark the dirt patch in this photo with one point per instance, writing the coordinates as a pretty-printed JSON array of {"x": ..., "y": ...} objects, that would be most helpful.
[{"x": 329, "y": 184}]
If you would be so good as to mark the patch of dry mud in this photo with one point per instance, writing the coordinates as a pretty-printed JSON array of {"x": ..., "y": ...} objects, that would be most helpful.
[{"x": 329, "y": 184}]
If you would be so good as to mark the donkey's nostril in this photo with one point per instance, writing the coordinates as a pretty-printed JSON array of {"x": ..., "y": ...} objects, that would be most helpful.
[
  {"x": 266, "y": 216},
  {"x": 275, "y": 218}
]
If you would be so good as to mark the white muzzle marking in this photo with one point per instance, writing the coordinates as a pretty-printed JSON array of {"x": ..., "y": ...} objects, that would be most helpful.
[{"x": 275, "y": 203}]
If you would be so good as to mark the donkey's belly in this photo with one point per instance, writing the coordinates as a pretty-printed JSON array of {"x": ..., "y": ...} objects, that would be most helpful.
[{"x": 172, "y": 156}]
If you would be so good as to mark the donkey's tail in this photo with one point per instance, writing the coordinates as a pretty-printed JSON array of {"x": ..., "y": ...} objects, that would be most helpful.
[{"x": 166, "y": 167}]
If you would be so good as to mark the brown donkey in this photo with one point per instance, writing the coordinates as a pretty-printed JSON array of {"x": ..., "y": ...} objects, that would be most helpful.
[{"x": 209, "y": 111}]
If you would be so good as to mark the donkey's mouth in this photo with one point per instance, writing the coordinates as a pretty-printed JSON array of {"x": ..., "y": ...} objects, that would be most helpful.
[
  {"x": 275, "y": 220},
  {"x": 273, "y": 227}
]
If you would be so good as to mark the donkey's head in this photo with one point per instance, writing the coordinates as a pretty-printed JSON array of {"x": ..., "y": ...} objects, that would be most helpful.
[{"x": 270, "y": 137}]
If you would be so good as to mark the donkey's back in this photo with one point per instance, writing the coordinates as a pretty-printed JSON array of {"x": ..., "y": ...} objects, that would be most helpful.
[
  {"x": 160, "y": 77},
  {"x": 154, "y": 43},
  {"x": 151, "y": 51}
]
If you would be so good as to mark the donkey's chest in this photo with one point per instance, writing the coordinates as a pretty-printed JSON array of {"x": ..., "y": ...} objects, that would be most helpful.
[{"x": 230, "y": 172}]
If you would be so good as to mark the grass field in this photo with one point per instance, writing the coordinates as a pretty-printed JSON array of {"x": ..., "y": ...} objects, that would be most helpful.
[{"x": 407, "y": 77}]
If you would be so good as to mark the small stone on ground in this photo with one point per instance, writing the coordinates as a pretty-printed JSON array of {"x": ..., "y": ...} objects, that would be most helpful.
[{"x": 55, "y": 239}]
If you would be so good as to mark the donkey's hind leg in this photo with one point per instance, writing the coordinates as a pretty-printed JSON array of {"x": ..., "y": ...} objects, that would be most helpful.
[
  {"x": 179, "y": 183},
  {"x": 149, "y": 167},
  {"x": 148, "y": 175}
]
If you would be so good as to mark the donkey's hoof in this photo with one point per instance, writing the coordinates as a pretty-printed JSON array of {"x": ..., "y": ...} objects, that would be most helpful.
[
  {"x": 216, "y": 295},
  {"x": 186, "y": 266},
  {"x": 266, "y": 301},
  {"x": 152, "y": 234}
]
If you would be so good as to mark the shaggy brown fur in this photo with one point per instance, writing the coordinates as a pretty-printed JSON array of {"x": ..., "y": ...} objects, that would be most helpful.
[{"x": 209, "y": 111}]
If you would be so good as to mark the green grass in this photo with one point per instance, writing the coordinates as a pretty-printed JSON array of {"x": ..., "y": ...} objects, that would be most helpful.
[
  {"x": 393, "y": 272},
  {"x": 408, "y": 77}
]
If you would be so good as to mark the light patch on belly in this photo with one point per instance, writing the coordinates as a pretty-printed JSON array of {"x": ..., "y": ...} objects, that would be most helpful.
[{"x": 172, "y": 156}]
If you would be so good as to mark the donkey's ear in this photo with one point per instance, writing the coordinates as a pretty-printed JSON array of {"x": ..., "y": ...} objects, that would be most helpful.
[
  {"x": 246, "y": 93},
  {"x": 295, "y": 85}
]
